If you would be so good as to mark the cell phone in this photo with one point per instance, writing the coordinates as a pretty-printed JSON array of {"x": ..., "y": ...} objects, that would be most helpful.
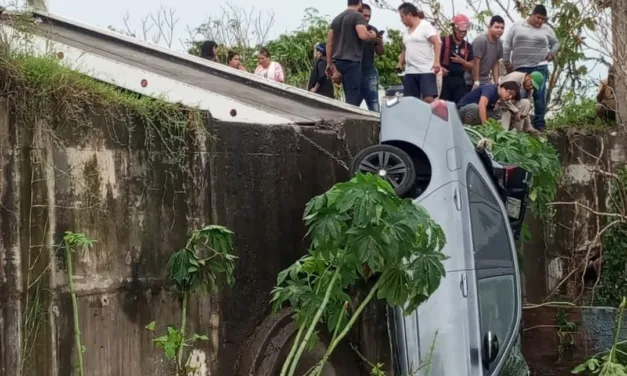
[{"x": 380, "y": 33}]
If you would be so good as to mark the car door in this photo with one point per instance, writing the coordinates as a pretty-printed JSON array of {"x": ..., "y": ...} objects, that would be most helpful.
[{"x": 497, "y": 279}]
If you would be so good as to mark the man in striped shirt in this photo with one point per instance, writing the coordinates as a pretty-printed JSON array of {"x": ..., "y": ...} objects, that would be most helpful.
[{"x": 529, "y": 47}]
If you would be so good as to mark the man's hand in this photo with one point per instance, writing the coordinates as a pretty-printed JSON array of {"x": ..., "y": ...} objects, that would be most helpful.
[
  {"x": 509, "y": 68},
  {"x": 436, "y": 68},
  {"x": 330, "y": 70},
  {"x": 457, "y": 59},
  {"x": 373, "y": 35},
  {"x": 549, "y": 57},
  {"x": 399, "y": 67},
  {"x": 475, "y": 85},
  {"x": 518, "y": 116}
]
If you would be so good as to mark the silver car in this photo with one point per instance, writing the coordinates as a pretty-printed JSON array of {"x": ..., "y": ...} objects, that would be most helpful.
[{"x": 472, "y": 320}]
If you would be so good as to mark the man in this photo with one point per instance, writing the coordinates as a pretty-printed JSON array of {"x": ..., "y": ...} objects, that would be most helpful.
[
  {"x": 488, "y": 50},
  {"x": 482, "y": 103},
  {"x": 421, "y": 55},
  {"x": 516, "y": 111},
  {"x": 606, "y": 100},
  {"x": 369, "y": 73},
  {"x": 345, "y": 49},
  {"x": 529, "y": 47},
  {"x": 457, "y": 58}
]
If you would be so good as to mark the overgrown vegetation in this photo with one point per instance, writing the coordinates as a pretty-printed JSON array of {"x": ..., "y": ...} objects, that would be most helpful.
[
  {"x": 535, "y": 155},
  {"x": 195, "y": 268},
  {"x": 612, "y": 286},
  {"x": 73, "y": 242},
  {"x": 43, "y": 85},
  {"x": 358, "y": 230},
  {"x": 577, "y": 113}
]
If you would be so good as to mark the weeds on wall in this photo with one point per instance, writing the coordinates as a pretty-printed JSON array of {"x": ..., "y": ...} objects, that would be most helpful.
[
  {"x": 73, "y": 242},
  {"x": 195, "y": 268},
  {"x": 358, "y": 230},
  {"x": 52, "y": 103},
  {"x": 577, "y": 113},
  {"x": 612, "y": 285}
]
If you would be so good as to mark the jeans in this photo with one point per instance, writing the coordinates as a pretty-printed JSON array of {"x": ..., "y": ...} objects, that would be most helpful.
[
  {"x": 351, "y": 80},
  {"x": 370, "y": 88},
  {"x": 539, "y": 96}
]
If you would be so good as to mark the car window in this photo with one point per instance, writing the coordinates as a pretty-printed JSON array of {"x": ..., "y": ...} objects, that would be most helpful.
[
  {"x": 490, "y": 235},
  {"x": 497, "y": 308}
]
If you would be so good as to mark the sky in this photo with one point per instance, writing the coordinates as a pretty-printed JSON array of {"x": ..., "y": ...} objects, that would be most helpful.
[{"x": 191, "y": 13}]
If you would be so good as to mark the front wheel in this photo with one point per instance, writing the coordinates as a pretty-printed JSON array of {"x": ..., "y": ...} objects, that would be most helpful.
[{"x": 390, "y": 163}]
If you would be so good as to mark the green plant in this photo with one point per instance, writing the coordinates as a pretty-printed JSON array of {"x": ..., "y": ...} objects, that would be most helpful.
[
  {"x": 576, "y": 113},
  {"x": 608, "y": 363},
  {"x": 72, "y": 242},
  {"x": 195, "y": 268},
  {"x": 535, "y": 155},
  {"x": 612, "y": 286},
  {"x": 358, "y": 229},
  {"x": 565, "y": 331}
]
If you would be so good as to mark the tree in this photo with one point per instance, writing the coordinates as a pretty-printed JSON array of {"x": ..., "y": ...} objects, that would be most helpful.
[{"x": 619, "y": 37}]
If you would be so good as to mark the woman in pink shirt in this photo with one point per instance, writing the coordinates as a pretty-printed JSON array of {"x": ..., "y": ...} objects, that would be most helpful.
[{"x": 268, "y": 68}]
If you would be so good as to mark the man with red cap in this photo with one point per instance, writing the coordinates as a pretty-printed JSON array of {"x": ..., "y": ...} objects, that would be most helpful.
[{"x": 456, "y": 59}]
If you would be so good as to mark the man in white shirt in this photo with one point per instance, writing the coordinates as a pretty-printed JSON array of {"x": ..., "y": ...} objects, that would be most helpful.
[{"x": 420, "y": 56}]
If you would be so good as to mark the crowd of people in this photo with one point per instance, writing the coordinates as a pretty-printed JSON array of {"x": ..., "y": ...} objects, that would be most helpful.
[
  {"x": 498, "y": 75},
  {"x": 470, "y": 71}
]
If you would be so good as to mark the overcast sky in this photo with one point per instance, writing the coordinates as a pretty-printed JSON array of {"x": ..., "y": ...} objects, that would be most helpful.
[{"x": 287, "y": 13}]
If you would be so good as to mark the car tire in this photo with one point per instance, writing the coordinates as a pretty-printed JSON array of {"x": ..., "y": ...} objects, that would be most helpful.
[{"x": 391, "y": 163}]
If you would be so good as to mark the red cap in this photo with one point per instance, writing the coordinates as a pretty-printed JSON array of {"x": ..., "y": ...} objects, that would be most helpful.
[{"x": 461, "y": 22}]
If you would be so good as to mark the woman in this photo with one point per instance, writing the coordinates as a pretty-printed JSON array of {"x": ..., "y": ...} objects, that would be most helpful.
[
  {"x": 233, "y": 61},
  {"x": 208, "y": 50},
  {"x": 268, "y": 68},
  {"x": 318, "y": 81}
]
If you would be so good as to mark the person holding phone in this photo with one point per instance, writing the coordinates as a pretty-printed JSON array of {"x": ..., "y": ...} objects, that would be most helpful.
[
  {"x": 457, "y": 60},
  {"x": 369, "y": 72}
]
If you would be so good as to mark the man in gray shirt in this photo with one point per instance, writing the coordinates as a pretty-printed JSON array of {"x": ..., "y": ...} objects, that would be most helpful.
[
  {"x": 529, "y": 47},
  {"x": 345, "y": 49},
  {"x": 488, "y": 50}
]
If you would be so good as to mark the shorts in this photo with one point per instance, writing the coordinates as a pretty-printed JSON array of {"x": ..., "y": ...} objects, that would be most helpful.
[{"x": 420, "y": 85}]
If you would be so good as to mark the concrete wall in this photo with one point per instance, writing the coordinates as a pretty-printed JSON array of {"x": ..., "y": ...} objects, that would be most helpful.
[
  {"x": 99, "y": 178},
  {"x": 552, "y": 264}
]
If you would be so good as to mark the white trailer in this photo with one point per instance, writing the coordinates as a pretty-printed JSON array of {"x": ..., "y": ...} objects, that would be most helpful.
[{"x": 228, "y": 94}]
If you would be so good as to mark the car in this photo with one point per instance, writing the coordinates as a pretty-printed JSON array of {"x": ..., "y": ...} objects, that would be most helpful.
[{"x": 473, "y": 318}]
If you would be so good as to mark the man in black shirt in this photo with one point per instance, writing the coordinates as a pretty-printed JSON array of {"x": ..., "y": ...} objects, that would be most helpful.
[
  {"x": 456, "y": 58},
  {"x": 369, "y": 73},
  {"x": 345, "y": 49}
]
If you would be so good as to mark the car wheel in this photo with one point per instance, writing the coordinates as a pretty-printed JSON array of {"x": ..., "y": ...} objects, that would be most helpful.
[{"x": 389, "y": 162}]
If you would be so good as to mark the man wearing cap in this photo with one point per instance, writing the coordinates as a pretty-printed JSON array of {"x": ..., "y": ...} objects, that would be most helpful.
[
  {"x": 516, "y": 111},
  {"x": 529, "y": 47},
  {"x": 456, "y": 59}
]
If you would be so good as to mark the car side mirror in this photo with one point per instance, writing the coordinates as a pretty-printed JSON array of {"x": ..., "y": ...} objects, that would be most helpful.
[{"x": 490, "y": 348}]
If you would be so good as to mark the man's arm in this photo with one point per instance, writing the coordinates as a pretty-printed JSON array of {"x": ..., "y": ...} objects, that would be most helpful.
[
  {"x": 479, "y": 46},
  {"x": 508, "y": 43},
  {"x": 401, "y": 59},
  {"x": 483, "y": 109},
  {"x": 554, "y": 43},
  {"x": 361, "y": 27},
  {"x": 379, "y": 48},
  {"x": 437, "y": 50},
  {"x": 496, "y": 74},
  {"x": 330, "y": 47}
]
